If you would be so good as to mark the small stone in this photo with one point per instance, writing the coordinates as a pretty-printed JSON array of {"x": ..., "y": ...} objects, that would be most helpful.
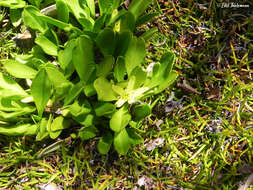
[{"x": 50, "y": 186}]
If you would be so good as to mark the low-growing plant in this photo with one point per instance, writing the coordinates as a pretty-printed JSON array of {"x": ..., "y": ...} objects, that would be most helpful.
[{"x": 95, "y": 80}]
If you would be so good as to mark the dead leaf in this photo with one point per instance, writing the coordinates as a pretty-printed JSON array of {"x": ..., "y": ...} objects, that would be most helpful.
[{"x": 158, "y": 142}]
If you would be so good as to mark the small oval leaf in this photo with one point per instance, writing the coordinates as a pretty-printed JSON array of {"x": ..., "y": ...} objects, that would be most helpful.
[
  {"x": 120, "y": 119},
  {"x": 87, "y": 133},
  {"x": 141, "y": 111},
  {"x": 105, "y": 143},
  {"x": 40, "y": 90},
  {"x": 122, "y": 142}
]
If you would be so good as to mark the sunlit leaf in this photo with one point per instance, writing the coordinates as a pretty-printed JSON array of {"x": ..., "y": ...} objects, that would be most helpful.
[
  {"x": 20, "y": 129},
  {"x": 104, "y": 89},
  {"x": 40, "y": 90},
  {"x": 48, "y": 46},
  {"x": 8, "y": 87},
  {"x": 19, "y": 70},
  {"x": 30, "y": 17},
  {"x": 14, "y": 4}
]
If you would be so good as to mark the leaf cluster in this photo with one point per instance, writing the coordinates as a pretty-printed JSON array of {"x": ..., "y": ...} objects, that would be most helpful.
[{"x": 96, "y": 77}]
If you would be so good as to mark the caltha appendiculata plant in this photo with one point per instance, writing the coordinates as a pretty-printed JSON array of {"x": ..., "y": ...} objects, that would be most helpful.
[{"x": 95, "y": 78}]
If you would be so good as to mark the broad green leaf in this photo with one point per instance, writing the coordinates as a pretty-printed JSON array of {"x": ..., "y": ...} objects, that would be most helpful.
[
  {"x": 120, "y": 119},
  {"x": 80, "y": 108},
  {"x": 59, "y": 123},
  {"x": 73, "y": 93},
  {"x": 8, "y": 87},
  {"x": 62, "y": 11},
  {"x": 19, "y": 70},
  {"x": 134, "y": 137},
  {"x": 105, "y": 66},
  {"x": 106, "y": 41},
  {"x": 104, "y": 90},
  {"x": 135, "y": 54},
  {"x": 84, "y": 58},
  {"x": 140, "y": 111},
  {"x": 40, "y": 90},
  {"x": 137, "y": 7},
  {"x": 87, "y": 133},
  {"x": 102, "y": 108},
  {"x": 19, "y": 129},
  {"x": 124, "y": 39},
  {"x": 122, "y": 142},
  {"x": 48, "y": 46},
  {"x": 105, "y": 143},
  {"x": 15, "y": 16},
  {"x": 30, "y": 18},
  {"x": 14, "y": 4},
  {"x": 119, "y": 69}
]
